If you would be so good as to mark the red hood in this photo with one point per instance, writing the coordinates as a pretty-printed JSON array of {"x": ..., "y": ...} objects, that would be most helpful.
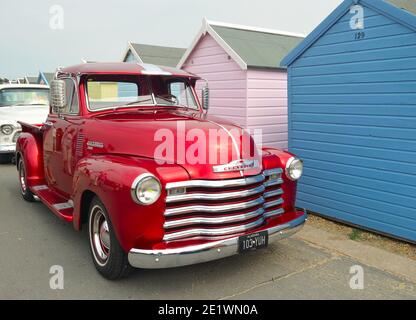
[{"x": 137, "y": 134}]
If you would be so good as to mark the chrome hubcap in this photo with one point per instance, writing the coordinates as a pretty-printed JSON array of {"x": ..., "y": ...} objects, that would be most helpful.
[
  {"x": 105, "y": 235},
  {"x": 99, "y": 236},
  {"x": 22, "y": 178}
]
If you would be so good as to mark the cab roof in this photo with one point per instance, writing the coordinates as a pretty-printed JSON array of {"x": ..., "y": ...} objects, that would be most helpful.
[{"x": 124, "y": 68}]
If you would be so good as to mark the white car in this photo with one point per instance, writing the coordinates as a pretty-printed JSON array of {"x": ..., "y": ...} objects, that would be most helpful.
[{"x": 20, "y": 102}]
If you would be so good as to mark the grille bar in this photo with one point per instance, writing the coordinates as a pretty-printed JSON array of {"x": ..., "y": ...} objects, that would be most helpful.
[
  {"x": 273, "y": 213},
  {"x": 213, "y": 231},
  {"x": 215, "y": 196},
  {"x": 275, "y": 182},
  {"x": 228, "y": 206},
  {"x": 273, "y": 203},
  {"x": 273, "y": 193},
  {"x": 273, "y": 171},
  {"x": 213, "y": 220},
  {"x": 216, "y": 183},
  {"x": 214, "y": 209}
]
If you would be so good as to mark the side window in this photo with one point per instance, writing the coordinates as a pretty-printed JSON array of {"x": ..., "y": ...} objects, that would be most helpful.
[
  {"x": 183, "y": 94},
  {"x": 176, "y": 88},
  {"x": 72, "y": 106}
]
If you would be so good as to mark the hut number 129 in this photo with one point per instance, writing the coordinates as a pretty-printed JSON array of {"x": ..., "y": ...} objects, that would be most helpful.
[{"x": 359, "y": 35}]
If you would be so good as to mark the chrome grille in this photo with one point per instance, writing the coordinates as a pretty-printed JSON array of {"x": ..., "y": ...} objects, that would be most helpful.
[
  {"x": 16, "y": 136},
  {"x": 79, "y": 144},
  {"x": 214, "y": 209}
]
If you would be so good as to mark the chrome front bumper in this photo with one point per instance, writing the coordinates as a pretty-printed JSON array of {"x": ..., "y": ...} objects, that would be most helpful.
[
  {"x": 7, "y": 148},
  {"x": 169, "y": 258}
]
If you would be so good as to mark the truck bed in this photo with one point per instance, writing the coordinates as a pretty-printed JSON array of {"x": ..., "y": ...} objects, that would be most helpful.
[{"x": 31, "y": 128}]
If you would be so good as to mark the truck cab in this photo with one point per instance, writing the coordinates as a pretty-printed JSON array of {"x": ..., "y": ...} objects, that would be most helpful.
[{"x": 130, "y": 152}]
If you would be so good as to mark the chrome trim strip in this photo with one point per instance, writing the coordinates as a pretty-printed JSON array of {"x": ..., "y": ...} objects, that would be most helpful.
[
  {"x": 213, "y": 220},
  {"x": 273, "y": 203},
  {"x": 214, "y": 209},
  {"x": 274, "y": 213},
  {"x": 235, "y": 144},
  {"x": 212, "y": 232},
  {"x": 273, "y": 193},
  {"x": 62, "y": 206},
  {"x": 270, "y": 183},
  {"x": 272, "y": 171},
  {"x": 40, "y": 187},
  {"x": 169, "y": 258},
  {"x": 215, "y": 196},
  {"x": 216, "y": 183}
]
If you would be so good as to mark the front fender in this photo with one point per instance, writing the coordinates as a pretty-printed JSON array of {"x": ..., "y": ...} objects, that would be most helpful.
[
  {"x": 30, "y": 148},
  {"x": 110, "y": 177},
  {"x": 279, "y": 159}
]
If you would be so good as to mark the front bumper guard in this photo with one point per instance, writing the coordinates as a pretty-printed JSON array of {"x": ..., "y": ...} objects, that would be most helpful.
[{"x": 170, "y": 258}]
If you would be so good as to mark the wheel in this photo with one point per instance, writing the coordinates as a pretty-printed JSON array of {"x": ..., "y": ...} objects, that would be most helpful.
[
  {"x": 24, "y": 189},
  {"x": 5, "y": 158},
  {"x": 108, "y": 256}
]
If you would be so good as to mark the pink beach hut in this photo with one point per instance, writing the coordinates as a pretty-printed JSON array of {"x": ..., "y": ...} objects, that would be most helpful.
[{"x": 242, "y": 67}]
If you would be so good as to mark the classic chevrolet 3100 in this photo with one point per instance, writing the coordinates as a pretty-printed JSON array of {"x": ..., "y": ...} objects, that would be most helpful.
[{"x": 95, "y": 161}]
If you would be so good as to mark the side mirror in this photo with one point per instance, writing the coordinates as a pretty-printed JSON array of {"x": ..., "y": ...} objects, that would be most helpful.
[
  {"x": 58, "y": 97},
  {"x": 205, "y": 98}
]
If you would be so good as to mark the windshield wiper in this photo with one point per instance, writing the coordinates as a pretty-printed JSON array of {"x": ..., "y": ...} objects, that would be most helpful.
[
  {"x": 174, "y": 105},
  {"x": 163, "y": 98},
  {"x": 137, "y": 101},
  {"x": 129, "y": 104}
]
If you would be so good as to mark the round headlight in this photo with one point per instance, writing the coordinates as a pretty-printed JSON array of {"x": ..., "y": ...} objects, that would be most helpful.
[
  {"x": 7, "y": 129},
  {"x": 146, "y": 189},
  {"x": 294, "y": 168}
]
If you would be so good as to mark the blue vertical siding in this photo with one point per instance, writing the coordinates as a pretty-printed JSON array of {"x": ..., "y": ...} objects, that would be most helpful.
[{"x": 352, "y": 118}]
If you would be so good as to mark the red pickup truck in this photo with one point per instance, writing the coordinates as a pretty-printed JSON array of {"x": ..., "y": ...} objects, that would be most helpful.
[{"x": 117, "y": 154}]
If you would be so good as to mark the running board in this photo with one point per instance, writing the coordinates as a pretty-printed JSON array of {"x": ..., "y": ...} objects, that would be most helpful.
[{"x": 60, "y": 206}]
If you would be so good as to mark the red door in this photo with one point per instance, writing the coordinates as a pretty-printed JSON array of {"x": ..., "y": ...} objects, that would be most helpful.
[{"x": 60, "y": 143}]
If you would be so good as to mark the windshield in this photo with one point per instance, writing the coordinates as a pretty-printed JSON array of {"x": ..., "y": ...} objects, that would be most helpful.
[
  {"x": 23, "y": 96},
  {"x": 107, "y": 92}
]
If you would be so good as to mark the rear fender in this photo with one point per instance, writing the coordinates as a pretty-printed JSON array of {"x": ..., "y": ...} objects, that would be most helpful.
[{"x": 30, "y": 148}]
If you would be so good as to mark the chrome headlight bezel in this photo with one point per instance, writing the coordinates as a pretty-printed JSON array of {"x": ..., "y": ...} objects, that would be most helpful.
[
  {"x": 7, "y": 126},
  {"x": 290, "y": 167},
  {"x": 139, "y": 183}
]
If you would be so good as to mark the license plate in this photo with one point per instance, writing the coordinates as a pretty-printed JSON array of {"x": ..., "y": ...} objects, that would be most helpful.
[{"x": 253, "y": 241}]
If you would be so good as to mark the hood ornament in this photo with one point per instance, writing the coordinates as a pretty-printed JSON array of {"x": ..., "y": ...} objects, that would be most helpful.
[{"x": 237, "y": 165}]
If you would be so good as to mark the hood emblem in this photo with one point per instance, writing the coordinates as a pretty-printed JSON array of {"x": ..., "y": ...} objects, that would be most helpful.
[
  {"x": 94, "y": 144},
  {"x": 237, "y": 165}
]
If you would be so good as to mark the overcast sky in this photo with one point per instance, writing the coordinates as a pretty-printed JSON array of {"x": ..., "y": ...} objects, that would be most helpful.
[{"x": 99, "y": 30}]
